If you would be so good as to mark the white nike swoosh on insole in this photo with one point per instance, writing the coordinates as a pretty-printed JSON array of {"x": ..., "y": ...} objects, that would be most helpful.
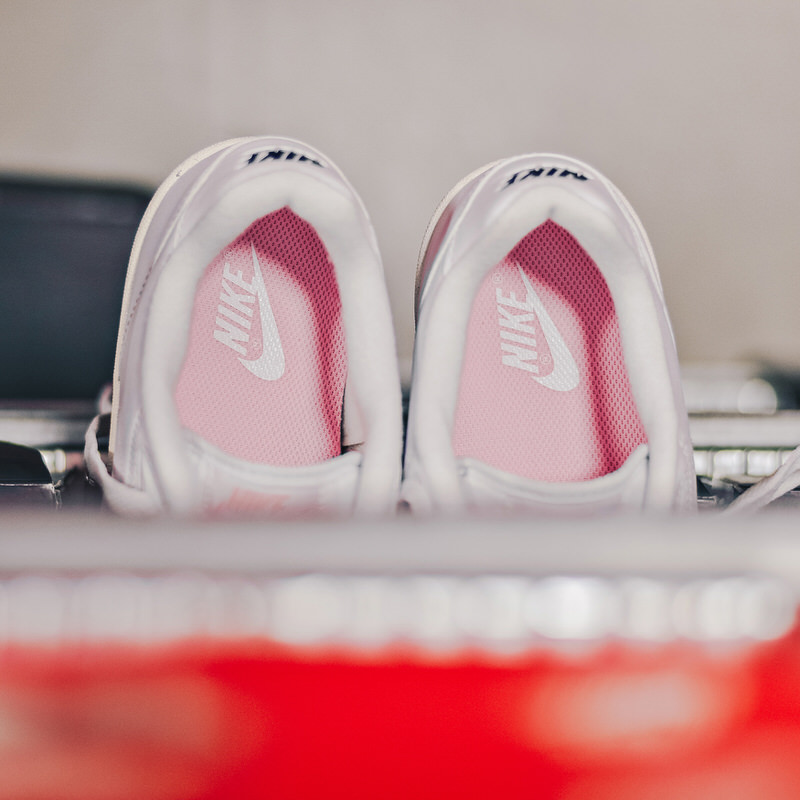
[
  {"x": 271, "y": 364},
  {"x": 565, "y": 375}
]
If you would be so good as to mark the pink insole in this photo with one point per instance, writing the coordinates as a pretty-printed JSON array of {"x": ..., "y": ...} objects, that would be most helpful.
[
  {"x": 544, "y": 392},
  {"x": 264, "y": 373}
]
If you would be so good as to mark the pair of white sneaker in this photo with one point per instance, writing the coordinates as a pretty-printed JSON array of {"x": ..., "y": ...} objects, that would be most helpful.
[{"x": 256, "y": 370}]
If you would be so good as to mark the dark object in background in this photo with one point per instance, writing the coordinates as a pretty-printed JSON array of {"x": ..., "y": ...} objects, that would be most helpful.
[
  {"x": 24, "y": 477},
  {"x": 64, "y": 250}
]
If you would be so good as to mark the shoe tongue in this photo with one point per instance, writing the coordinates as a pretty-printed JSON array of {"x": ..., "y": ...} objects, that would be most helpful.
[
  {"x": 232, "y": 487},
  {"x": 623, "y": 490}
]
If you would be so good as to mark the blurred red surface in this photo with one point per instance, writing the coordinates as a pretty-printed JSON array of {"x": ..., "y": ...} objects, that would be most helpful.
[{"x": 249, "y": 719}]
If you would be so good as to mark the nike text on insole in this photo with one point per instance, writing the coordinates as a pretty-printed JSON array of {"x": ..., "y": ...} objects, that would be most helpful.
[
  {"x": 235, "y": 308},
  {"x": 517, "y": 328}
]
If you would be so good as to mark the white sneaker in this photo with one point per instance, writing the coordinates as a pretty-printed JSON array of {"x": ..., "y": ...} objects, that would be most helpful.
[
  {"x": 256, "y": 368},
  {"x": 545, "y": 374}
]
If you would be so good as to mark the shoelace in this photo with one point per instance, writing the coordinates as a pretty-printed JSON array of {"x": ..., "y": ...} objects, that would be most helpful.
[
  {"x": 132, "y": 502},
  {"x": 783, "y": 480}
]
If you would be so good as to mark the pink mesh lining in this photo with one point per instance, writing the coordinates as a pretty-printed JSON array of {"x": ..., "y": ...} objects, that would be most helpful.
[
  {"x": 291, "y": 420},
  {"x": 504, "y": 416}
]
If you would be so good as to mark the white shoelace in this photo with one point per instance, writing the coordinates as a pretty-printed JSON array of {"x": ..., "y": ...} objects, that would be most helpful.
[
  {"x": 783, "y": 480},
  {"x": 125, "y": 499}
]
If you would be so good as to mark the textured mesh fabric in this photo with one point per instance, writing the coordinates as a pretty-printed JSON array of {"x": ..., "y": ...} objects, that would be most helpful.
[
  {"x": 264, "y": 373},
  {"x": 544, "y": 392}
]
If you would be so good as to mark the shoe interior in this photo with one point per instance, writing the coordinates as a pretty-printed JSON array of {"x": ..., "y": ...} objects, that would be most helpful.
[
  {"x": 544, "y": 391},
  {"x": 265, "y": 368}
]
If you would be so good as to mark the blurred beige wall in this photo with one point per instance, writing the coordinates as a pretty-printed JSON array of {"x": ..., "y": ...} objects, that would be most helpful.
[{"x": 692, "y": 108}]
